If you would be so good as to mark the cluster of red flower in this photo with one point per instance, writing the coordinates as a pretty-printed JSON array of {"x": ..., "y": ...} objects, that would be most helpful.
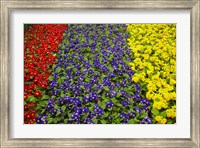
[
  {"x": 29, "y": 112},
  {"x": 40, "y": 45}
]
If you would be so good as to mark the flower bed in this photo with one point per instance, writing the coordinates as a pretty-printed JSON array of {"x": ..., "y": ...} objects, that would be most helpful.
[
  {"x": 154, "y": 48},
  {"x": 94, "y": 74},
  {"x": 40, "y": 46}
]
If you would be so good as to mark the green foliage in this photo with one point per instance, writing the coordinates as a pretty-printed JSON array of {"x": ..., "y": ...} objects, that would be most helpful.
[
  {"x": 154, "y": 111},
  {"x": 27, "y": 26},
  {"x": 32, "y": 99}
]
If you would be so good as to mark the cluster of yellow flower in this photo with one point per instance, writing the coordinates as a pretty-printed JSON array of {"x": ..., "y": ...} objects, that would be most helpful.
[{"x": 154, "y": 48}]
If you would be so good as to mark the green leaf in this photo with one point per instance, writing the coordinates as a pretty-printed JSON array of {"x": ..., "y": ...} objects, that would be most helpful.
[
  {"x": 58, "y": 113},
  {"x": 95, "y": 120},
  {"x": 50, "y": 120},
  {"x": 65, "y": 41},
  {"x": 63, "y": 108},
  {"x": 118, "y": 94},
  {"x": 106, "y": 88},
  {"x": 170, "y": 121},
  {"x": 139, "y": 105},
  {"x": 91, "y": 109},
  {"x": 55, "y": 120},
  {"x": 143, "y": 114},
  {"x": 51, "y": 78},
  {"x": 62, "y": 93},
  {"x": 137, "y": 114},
  {"x": 113, "y": 100},
  {"x": 26, "y": 70},
  {"x": 154, "y": 121},
  {"x": 110, "y": 109},
  {"x": 131, "y": 121},
  {"x": 129, "y": 88},
  {"x": 38, "y": 107},
  {"x": 110, "y": 68},
  {"x": 32, "y": 99},
  {"x": 117, "y": 120},
  {"x": 83, "y": 116},
  {"x": 82, "y": 87},
  {"x": 102, "y": 104},
  {"x": 65, "y": 121},
  {"x": 42, "y": 103},
  {"x": 56, "y": 106},
  {"x": 58, "y": 69},
  {"x": 87, "y": 79},
  {"x": 99, "y": 91},
  {"x": 43, "y": 111},
  {"x": 155, "y": 111},
  {"x": 118, "y": 104},
  {"x": 69, "y": 114},
  {"x": 116, "y": 115},
  {"x": 163, "y": 114},
  {"x": 143, "y": 83},
  {"x": 136, "y": 120},
  {"x": 103, "y": 121},
  {"x": 45, "y": 97},
  {"x": 106, "y": 114},
  {"x": 60, "y": 81}
]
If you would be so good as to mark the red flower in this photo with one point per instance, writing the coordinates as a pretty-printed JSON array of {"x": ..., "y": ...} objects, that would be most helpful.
[{"x": 40, "y": 43}]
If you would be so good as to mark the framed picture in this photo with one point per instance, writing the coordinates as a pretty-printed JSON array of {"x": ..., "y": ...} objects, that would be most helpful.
[{"x": 129, "y": 68}]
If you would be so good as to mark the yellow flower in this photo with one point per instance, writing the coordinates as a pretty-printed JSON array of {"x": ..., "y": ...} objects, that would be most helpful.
[
  {"x": 172, "y": 62},
  {"x": 173, "y": 96},
  {"x": 149, "y": 72},
  {"x": 155, "y": 77},
  {"x": 135, "y": 79},
  {"x": 171, "y": 113},
  {"x": 149, "y": 95},
  {"x": 136, "y": 55},
  {"x": 151, "y": 86},
  {"x": 164, "y": 120},
  {"x": 146, "y": 56},
  {"x": 154, "y": 48},
  {"x": 172, "y": 82},
  {"x": 152, "y": 59},
  {"x": 158, "y": 118},
  {"x": 157, "y": 105},
  {"x": 158, "y": 83},
  {"x": 132, "y": 66}
]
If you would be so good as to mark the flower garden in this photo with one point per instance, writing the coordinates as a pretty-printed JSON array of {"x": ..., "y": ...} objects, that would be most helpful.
[{"x": 100, "y": 74}]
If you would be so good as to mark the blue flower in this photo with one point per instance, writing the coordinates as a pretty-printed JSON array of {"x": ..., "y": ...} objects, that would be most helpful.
[
  {"x": 113, "y": 94},
  {"x": 131, "y": 114},
  {"x": 137, "y": 110},
  {"x": 109, "y": 104},
  {"x": 145, "y": 102},
  {"x": 109, "y": 117},
  {"x": 123, "y": 93},
  {"x": 94, "y": 68},
  {"x": 111, "y": 75},
  {"x": 146, "y": 120},
  {"x": 41, "y": 119},
  {"x": 125, "y": 103}
]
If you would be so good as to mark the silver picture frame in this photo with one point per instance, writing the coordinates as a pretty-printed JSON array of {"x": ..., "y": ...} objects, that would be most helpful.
[{"x": 7, "y": 6}]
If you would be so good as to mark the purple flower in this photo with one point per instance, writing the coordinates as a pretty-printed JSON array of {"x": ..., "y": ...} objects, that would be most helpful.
[
  {"x": 109, "y": 117},
  {"x": 146, "y": 120},
  {"x": 145, "y": 102},
  {"x": 41, "y": 119},
  {"x": 131, "y": 114},
  {"x": 109, "y": 104},
  {"x": 138, "y": 110},
  {"x": 111, "y": 75},
  {"x": 125, "y": 103}
]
